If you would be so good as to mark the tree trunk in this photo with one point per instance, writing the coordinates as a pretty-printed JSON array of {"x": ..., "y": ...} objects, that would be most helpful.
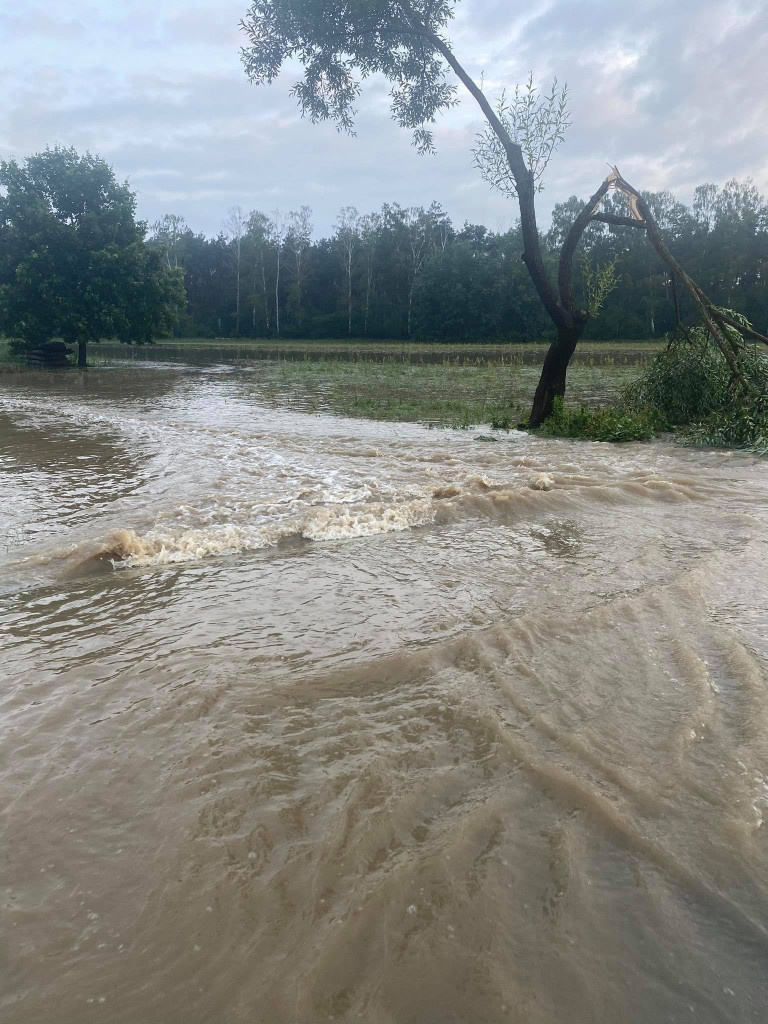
[
  {"x": 277, "y": 295},
  {"x": 349, "y": 294},
  {"x": 266, "y": 301},
  {"x": 81, "y": 359},
  {"x": 299, "y": 311},
  {"x": 237, "y": 307},
  {"x": 367, "y": 299},
  {"x": 553, "y": 372}
]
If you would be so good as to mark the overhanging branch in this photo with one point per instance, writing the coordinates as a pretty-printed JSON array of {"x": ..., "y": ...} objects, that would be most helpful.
[
  {"x": 711, "y": 316},
  {"x": 522, "y": 175}
]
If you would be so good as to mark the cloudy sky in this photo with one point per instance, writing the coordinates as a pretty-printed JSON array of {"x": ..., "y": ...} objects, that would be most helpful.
[{"x": 674, "y": 91}]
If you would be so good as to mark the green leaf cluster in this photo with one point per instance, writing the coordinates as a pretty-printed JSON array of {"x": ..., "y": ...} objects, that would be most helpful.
[
  {"x": 73, "y": 261},
  {"x": 334, "y": 39},
  {"x": 536, "y": 123},
  {"x": 691, "y": 384}
]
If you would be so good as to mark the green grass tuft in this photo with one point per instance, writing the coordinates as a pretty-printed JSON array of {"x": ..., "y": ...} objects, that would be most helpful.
[{"x": 604, "y": 423}]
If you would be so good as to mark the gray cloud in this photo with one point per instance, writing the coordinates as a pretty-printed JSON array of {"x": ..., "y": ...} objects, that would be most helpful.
[{"x": 674, "y": 95}]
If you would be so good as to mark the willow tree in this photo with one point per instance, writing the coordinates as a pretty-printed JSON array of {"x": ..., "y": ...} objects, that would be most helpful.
[{"x": 340, "y": 42}]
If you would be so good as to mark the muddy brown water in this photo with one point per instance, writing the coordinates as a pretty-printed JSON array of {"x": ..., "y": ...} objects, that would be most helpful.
[{"x": 309, "y": 719}]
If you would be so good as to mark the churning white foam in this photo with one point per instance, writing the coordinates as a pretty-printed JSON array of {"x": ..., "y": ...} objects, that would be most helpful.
[
  {"x": 541, "y": 482},
  {"x": 126, "y": 547}
]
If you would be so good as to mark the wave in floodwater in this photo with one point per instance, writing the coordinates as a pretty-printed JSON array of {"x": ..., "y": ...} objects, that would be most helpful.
[
  {"x": 317, "y": 514},
  {"x": 390, "y": 725}
]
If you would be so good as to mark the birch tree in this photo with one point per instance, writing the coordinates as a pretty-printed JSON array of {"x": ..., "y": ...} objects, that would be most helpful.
[
  {"x": 370, "y": 226},
  {"x": 257, "y": 240},
  {"x": 299, "y": 239},
  {"x": 169, "y": 231},
  {"x": 348, "y": 240},
  {"x": 278, "y": 227},
  {"x": 235, "y": 227},
  {"x": 419, "y": 239}
]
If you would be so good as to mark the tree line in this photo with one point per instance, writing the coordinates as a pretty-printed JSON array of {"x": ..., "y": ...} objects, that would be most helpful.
[{"x": 409, "y": 272}]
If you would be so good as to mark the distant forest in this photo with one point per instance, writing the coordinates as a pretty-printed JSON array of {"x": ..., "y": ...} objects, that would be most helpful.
[{"x": 411, "y": 273}]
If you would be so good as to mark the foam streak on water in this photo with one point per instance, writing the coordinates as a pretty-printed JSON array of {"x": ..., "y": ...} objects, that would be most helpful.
[{"x": 310, "y": 719}]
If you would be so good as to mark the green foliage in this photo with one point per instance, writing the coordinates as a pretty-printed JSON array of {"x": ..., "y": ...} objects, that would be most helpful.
[
  {"x": 536, "y": 123},
  {"x": 687, "y": 381},
  {"x": 691, "y": 384},
  {"x": 73, "y": 263},
  {"x": 471, "y": 285},
  {"x": 605, "y": 423},
  {"x": 599, "y": 282},
  {"x": 334, "y": 39},
  {"x": 503, "y": 420}
]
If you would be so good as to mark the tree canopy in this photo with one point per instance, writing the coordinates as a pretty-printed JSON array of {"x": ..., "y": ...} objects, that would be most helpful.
[
  {"x": 469, "y": 283},
  {"x": 340, "y": 42},
  {"x": 73, "y": 261}
]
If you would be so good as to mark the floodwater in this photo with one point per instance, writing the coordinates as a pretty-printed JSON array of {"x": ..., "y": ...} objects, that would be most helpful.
[{"x": 311, "y": 719}]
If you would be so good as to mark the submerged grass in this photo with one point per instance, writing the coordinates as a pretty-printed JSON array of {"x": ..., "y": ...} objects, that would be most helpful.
[
  {"x": 435, "y": 384},
  {"x": 462, "y": 396},
  {"x": 626, "y": 353},
  {"x": 604, "y": 423}
]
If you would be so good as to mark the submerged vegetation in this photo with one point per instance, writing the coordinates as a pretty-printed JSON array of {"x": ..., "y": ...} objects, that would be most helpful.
[
  {"x": 439, "y": 385},
  {"x": 604, "y": 423},
  {"x": 691, "y": 387}
]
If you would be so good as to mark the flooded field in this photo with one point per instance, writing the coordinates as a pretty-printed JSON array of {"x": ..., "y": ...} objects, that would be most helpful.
[
  {"x": 437, "y": 384},
  {"x": 307, "y": 717}
]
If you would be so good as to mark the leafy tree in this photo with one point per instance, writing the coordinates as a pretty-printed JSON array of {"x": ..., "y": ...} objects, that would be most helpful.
[
  {"x": 370, "y": 227},
  {"x": 336, "y": 40},
  {"x": 471, "y": 285},
  {"x": 257, "y": 241},
  {"x": 299, "y": 242},
  {"x": 278, "y": 227},
  {"x": 73, "y": 262},
  {"x": 402, "y": 40},
  {"x": 169, "y": 233}
]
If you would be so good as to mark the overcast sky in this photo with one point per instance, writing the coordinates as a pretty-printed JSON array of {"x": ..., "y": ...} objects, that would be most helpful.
[{"x": 674, "y": 91}]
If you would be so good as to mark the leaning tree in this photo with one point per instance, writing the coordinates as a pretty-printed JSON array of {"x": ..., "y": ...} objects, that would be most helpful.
[{"x": 339, "y": 42}]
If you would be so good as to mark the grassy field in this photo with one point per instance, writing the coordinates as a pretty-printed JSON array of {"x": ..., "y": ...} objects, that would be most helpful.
[
  {"x": 367, "y": 350},
  {"x": 439, "y": 394},
  {"x": 437, "y": 384}
]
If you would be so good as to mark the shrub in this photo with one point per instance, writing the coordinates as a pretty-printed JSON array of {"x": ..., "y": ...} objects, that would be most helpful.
[
  {"x": 685, "y": 381},
  {"x": 691, "y": 384},
  {"x": 605, "y": 423}
]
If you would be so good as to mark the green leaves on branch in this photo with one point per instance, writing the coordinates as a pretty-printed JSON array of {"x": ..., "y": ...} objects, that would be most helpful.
[
  {"x": 691, "y": 384},
  {"x": 340, "y": 42},
  {"x": 688, "y": 386},
  {"x": 599, "y": 282},
  {"x": 536, "y": 123}
]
